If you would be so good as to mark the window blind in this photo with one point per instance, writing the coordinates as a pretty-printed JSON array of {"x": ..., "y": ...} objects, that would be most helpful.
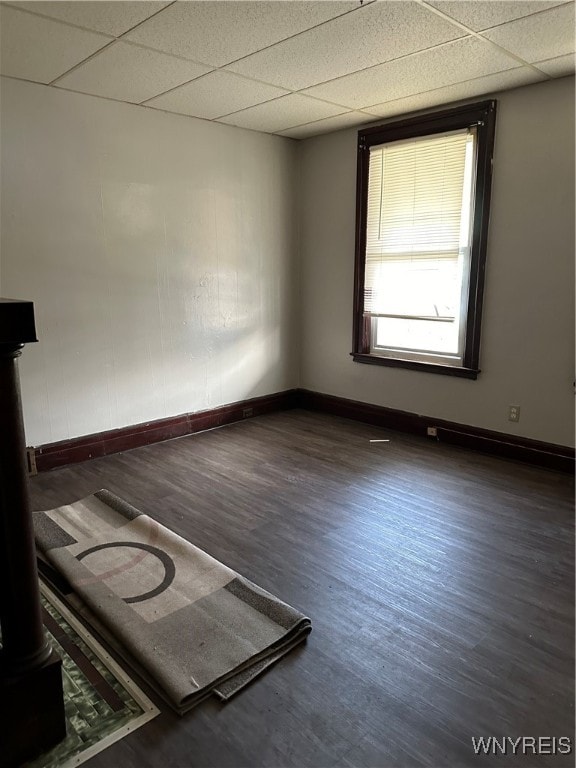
[{"x": 418, "y": 213}]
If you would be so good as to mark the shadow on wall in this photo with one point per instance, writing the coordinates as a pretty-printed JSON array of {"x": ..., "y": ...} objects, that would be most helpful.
[{"x": 140, "y": 356}]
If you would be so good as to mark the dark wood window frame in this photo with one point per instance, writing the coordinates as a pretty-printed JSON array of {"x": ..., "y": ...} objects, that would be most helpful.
[{"x": 482, "y": 115}]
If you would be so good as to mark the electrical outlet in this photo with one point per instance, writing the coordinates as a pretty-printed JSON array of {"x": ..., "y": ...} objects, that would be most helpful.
[
  {"x": 514, "y": 413},
  {"x": 432, "y": 432}
]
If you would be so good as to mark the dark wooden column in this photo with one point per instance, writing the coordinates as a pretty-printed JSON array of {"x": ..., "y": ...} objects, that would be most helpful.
[{"x": 31, "y": 699}]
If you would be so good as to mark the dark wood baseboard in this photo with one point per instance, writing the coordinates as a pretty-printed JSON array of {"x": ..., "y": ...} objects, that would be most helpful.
[
  {"x": 86, "y": 447},
  {"x": 557, "y": 457}
]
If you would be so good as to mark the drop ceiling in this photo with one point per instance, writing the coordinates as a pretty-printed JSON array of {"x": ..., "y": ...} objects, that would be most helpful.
[{"x": 296, "y": 68}]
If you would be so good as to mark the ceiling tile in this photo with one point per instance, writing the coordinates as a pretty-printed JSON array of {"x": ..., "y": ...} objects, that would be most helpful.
[
  {"x": 558, "y": 67},
  {"x": 216, "y": 94},
  {"x": 217, "y": 32},
  {"x": 347, "y": 120},
  {"x": 546, "y": 35},
  {"x": 282, "y": 113},
  {"x": 130, "y": 73},
  {"x": 112, "y": 18},
  {"x": 378, "y": 32},
  {"x": 512, "y": 78},
  {"x": 39, "y": 49},
  {"x": 482, "y": 15},
  {"x": 445, "y": 65}
]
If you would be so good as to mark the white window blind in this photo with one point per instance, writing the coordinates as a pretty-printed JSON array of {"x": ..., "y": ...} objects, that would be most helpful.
[{"x": 418, "y": 220}]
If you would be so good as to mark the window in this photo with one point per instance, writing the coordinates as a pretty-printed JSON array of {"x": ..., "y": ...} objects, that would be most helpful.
[{"x": 422, "y": 219}]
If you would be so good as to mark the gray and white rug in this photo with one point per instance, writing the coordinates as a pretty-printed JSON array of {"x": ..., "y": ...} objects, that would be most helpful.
[{"x": 188, "y": 624}]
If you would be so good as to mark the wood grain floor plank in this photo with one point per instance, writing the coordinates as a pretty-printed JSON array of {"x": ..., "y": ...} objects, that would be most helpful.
[{"x": 440, "y": 583}]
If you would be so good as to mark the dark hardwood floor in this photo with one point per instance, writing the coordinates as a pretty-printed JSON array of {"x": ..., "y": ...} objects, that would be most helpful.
[{"x": 440, "y": 584}]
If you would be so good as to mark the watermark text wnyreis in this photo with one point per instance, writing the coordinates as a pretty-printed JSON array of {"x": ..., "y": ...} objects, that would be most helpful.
[{"x": 522, "y": 745}]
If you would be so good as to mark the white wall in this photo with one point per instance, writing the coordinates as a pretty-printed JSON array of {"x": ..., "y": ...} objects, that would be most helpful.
[
  {"x": 159, "y": 251},
  {"x": 527, "y": 350},
  {"x": 149, "y": 305}
]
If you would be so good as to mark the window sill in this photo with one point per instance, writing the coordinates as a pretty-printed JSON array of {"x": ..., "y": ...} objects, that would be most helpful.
[{"x": 394, "y": 362}]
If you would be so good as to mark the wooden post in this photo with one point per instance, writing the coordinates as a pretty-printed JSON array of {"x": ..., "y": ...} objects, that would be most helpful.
[{"x": 31, "y": 698}]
